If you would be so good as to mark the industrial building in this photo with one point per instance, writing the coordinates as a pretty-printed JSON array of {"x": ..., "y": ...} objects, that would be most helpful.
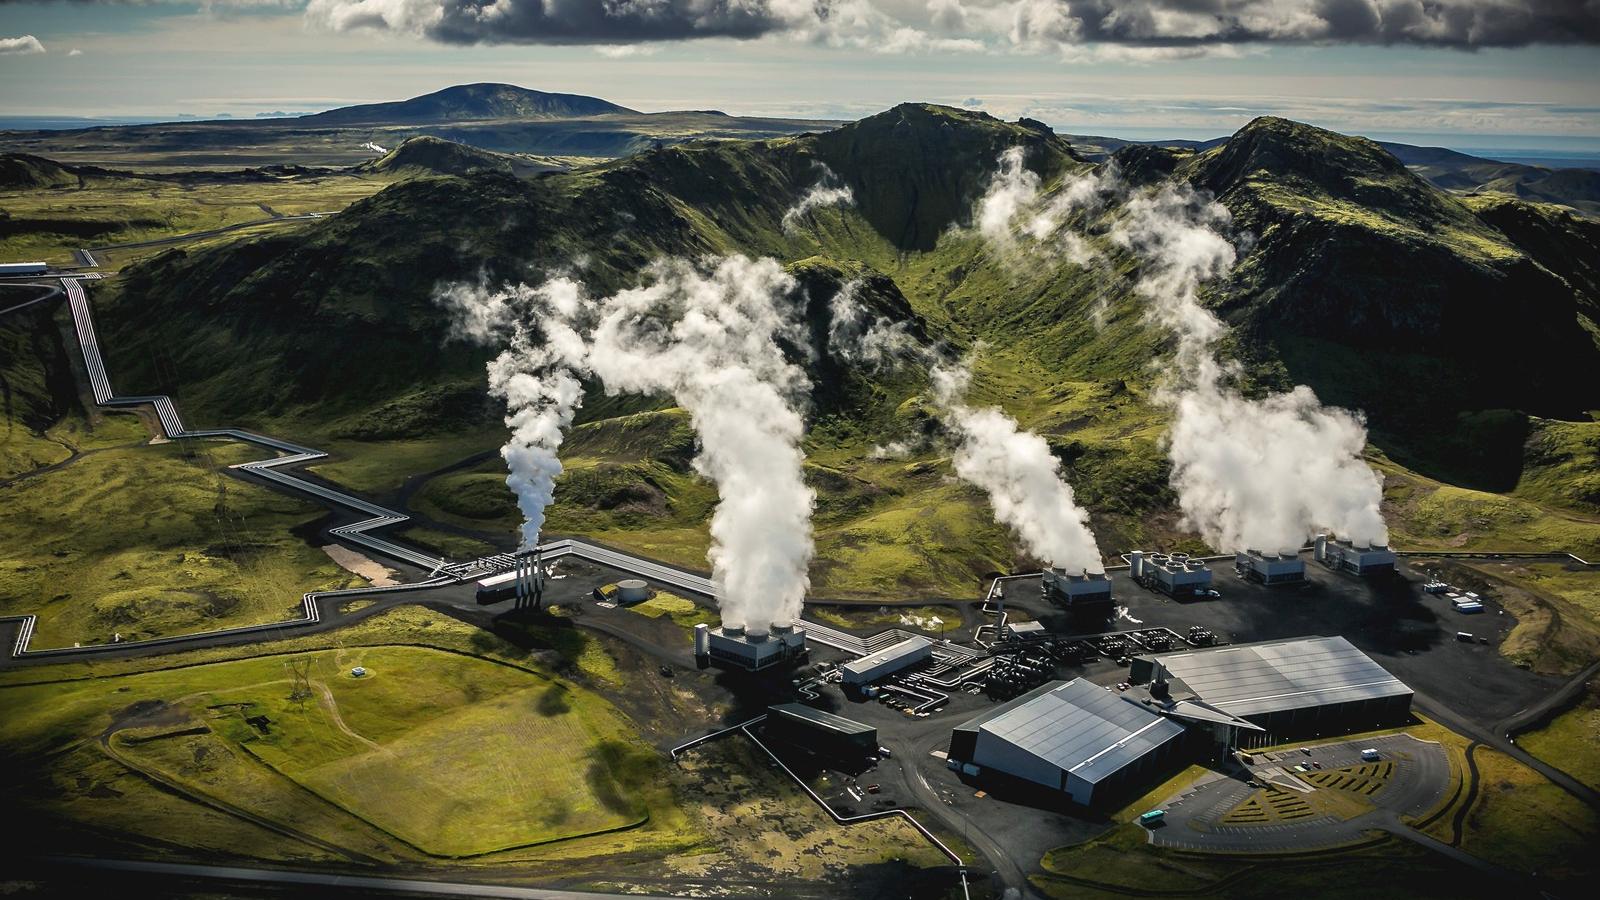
[
  {"x": 1075, "y": 737},
  {"x": 731, "y": 646},
  {"x": 821, "y": 732},
  {"x": 1079, "y": 592},
  {"x": 1026, "y": 631},
  {"x": 1356, "y": 559},
  {"x": 886, "y": 662},
  {"x": 1175, "y": 575},
  {"x": 1270, "y": 568},
  {"x": 1288, "y": 689}
]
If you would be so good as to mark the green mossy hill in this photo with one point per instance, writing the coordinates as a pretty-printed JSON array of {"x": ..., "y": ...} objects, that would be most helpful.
[
  {"x": 23, "y": 171},
  {"x": 1557, "y": 238},
  {"x": 431, "y": 155},
  {"x": 468, "y": 101},
  {"x": 334, "y": 319},
  {"x": 36, "y": 387},
  {"x": 916, "y": 169},
  {"x": 849, "y": 391},
  {"x": 1356, "y": 276},
  {"x": 1146, "y": 164},
  {"x": 339, "y": 317},
  {"x": 1352, "y": 247}
]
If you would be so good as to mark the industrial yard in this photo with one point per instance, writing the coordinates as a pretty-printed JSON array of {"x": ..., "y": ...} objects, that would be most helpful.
[{"x": 913, "y": 507}]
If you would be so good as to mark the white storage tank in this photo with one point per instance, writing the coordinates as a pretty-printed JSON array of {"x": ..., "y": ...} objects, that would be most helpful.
[{"x": 632, "y": 590}]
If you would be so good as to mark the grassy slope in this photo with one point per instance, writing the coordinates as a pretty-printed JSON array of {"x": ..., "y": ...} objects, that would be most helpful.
[
  {"x": 707, "y": 819},
  {"x": 437, "y": 749},
  {"x": 1571, "y": 741},
  {"x": 1065, "y": 350},
  {"x": 153, "y": 540},
  {"x": 49, "y": 222}
]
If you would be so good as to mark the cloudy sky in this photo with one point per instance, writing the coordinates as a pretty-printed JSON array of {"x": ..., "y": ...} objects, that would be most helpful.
[{"x": 1464, "y": 73}]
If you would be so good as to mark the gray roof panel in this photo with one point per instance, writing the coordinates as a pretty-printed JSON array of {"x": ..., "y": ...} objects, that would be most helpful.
[
  {"x": 1253, "y": 679},
  {"x": 1082, "y": 728}
]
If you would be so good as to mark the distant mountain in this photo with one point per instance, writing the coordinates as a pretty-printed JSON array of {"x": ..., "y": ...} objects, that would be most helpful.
[
  {"x": 1356, "y": 276},
  {"x": 1578, "y": 188},
  {"x": 1452, "y": 170},
  {"x": 436, "y": 156},
  {"x": 466, "y": 102}
]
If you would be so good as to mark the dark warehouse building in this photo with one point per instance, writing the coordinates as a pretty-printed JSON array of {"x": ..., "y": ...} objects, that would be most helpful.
[{"x": 821, "y": 732}]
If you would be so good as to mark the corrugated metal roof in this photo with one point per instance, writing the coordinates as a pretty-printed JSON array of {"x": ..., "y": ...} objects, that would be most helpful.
[
  {"x": 1082, "y": 728},
  {"x": 892, "y": 652},
  {"x": 821, "y": 718},
  {"x": 1250, "y": 679}
]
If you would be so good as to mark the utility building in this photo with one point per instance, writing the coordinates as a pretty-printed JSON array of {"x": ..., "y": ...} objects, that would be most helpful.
[
  {"x": 1075, "y": 737},
  {"x": 731, "y": 646},
  {"x": 1079, "y": 592},
  {"x": 886, "y": 662},
  {"x": 1356, "y": 559},
  {"x": 1270, "y": 568},
  {"x": 1175, "y": 575},
  {"x": 1308, "y": 687},
  {"x": 1026, "y": 631},
  {"x": 821, "y": 732}
]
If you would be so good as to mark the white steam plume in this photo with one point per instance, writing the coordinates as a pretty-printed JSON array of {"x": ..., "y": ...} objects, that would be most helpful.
[
  {"x": 1250, "y": 474},
  {"x": 1021, "y": 476},
  {"x": 1014, "y": 467},
  {"x": 858, "y": 337},
  {"x": 709, "y": 335},
  {"x": 828, "y": 191},
  {"x": 1015, "y": 217},
  {"x": 536, "y": 374}
]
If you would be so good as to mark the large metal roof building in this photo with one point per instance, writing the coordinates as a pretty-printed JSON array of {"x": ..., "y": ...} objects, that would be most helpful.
[
  {"x": 887, "y": 661},
  {"x": 1075, "y": 737},
  {"x": 1289, "y": 688}
]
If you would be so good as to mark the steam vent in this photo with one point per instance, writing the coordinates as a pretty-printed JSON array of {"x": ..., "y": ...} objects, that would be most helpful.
[{"x": 730, "y": 645}]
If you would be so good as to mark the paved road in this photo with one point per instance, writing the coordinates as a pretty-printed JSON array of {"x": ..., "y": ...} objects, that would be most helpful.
[
  {"x": 49, "y": 292},
  {"x": 196, "y": 235},
  {"x": 1011, "y": 874},
  {"x": 1496, "y": 738},
  {"x": 223, "y": 875}
]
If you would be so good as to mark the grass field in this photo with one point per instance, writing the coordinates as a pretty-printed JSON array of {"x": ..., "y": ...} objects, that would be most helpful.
[
  {"x": 151, "y": 540},
  {"x": 48, "y": 223},
  {"x": 1571, "y": 742},
  {"x": 682, "y": 611},
  {"x": 765, "y": 822},
  {"x": 1525, "y": 823},
  {"x": 377, "y": 467},
  {"x": 452, "y": 755}
]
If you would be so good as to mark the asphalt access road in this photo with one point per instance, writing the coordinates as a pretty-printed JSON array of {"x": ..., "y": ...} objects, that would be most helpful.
[
  {"x": 159, "y": 876},
  {"x": 1409, "y": 633}
]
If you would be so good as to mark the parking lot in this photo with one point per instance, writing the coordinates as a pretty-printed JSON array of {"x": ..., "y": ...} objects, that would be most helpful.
[
  {"x": 1408, "y": 632},
  {"x": 1269, "y": 806}
]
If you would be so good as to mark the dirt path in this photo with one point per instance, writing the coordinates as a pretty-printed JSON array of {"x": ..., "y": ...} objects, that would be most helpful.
[
  {"x": 361, "y": 564},
  {"x": 332, "y": 706}
]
